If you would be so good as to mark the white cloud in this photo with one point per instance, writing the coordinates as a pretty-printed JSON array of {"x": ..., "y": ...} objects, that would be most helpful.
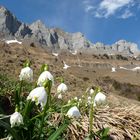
[
  {"x": 126, "y": 14},
  {"x": 89, "y": 8},
  {"x": 109, "y": 7}
]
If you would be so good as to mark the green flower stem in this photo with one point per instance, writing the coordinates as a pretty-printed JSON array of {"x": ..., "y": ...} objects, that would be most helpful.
[
  {"x": 91, "y": 113},
  {"x": 48, "y": 89},
  {"x": 28, "y": 108},
  {"x": 18, "y": 95},
  {"x": 85, "y": 100},
  {"x": 37, "y": 116}
]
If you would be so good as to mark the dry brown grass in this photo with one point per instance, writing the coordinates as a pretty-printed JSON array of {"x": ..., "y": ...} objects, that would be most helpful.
[{"x": 124, "y": 123}]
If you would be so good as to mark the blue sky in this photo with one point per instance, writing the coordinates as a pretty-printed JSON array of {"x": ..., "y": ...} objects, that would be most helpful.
[{"x": 104, "y": 21}]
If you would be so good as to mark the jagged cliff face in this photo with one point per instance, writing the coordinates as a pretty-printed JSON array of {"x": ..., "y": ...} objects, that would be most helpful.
[{"x": 55, "y": 38}]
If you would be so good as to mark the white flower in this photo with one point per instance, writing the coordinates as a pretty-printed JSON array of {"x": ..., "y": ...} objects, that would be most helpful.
[
  {"x": 91, "y": 91},
  {"x": 80, "y": 100},
  {"x": 39, "y": 96},
  {"x": 26, "y": 74},
  {"x": 16, "y": 119},
  {"x": 73, "y": 112},
  {"x": 100, "y": 98},
  {"x": 75, "y": 98},
  {"x": 60, "y": 96},
  {"x": 89, "y": 100},
  {"x": 62, "y": 88},
  {"x": 69, "y": 101},
  {"x": 46, "y": 75}
]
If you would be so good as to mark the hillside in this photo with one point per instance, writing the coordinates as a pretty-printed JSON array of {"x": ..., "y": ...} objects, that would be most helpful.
[{"x": 86, "y": 70}]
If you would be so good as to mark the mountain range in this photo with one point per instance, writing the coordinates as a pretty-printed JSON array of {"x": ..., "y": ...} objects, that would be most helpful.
[{"x": 55, "y": 38}]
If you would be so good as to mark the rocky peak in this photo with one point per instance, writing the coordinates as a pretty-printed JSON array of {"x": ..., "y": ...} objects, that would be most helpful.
[
  {"x": 56, "y": 38},
  {"x": 38, "y": 25},
  {"x": 123, "y": 45},
  {"x": 8, "y": 23}
]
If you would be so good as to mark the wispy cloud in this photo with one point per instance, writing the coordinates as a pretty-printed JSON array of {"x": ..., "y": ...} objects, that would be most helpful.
[
  {"x": 89, "y": 8},
  {"x": 126, "y": 14},
  {"x": 108, "y": 8}
]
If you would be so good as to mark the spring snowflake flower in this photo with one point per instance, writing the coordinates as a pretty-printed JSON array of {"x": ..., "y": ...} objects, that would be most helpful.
[
  {"x": 89, "y": 100},
  {"x": 16, "y": 119},
  {"x": 80, "y": 100},
  {"x": 73, "y": 112},
  {"x": 46, "y": 75},
  {"x": 60, "y": 96},
  {"x": 91, "y": 92},
  {"x": 76, "y": 98},
  {"x": 100, "y": 99},
  {"x": 39, "y": 96},
  {"x": 26, "y": 74},
  {"x": 62, "y": 88}
]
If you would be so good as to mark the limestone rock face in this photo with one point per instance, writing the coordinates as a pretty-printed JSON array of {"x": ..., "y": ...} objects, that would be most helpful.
[
  {"x": 23, "y": 31},
  {"x": 126, "y": 47},
  {"x": 8, "y": 23}
]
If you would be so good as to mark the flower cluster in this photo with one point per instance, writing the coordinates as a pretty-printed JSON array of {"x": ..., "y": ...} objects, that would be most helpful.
[{"x": 30, "y": 114}]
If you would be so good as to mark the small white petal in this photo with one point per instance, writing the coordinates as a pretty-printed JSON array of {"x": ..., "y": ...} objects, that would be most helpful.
[
  {"x": 39, "y": 95},
  {"x": 62, "y": 88},
  {"x": 80, "y": 100},
  {"x": 26, "y": 74},
  {"x": 75, "y": 98},
  {"x": 69, "y": 101},
  {"x": 73, "y": 112},
  {"x": 60, "y": 96},
  {"x": 91, "y": 91},
  {"x": 89, "y": 100},
  {"x": 16, "y": 119},
  {"x": 100, "y": 99},
  {"x": 46, "y": 75}
]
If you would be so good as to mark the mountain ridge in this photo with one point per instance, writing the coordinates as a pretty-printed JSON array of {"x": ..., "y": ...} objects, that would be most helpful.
[{"x": 55, "y": 38}]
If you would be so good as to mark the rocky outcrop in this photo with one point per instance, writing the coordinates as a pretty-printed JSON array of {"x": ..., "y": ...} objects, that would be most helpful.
[
  {"x": 9, "y": 24},
  {"x": 54, "y": 38}
]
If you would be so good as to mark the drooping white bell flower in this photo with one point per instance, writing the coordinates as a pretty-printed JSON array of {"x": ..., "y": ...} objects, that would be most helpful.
[
  {"x": 73, "y": 112},
  {"x": 46, "y": 75},
  {"x": 100, "y": 99},
  {"x": 80, "y": 100},
  {"x": 39, "y": 96},
  {"x": 16, "y": 119},
  {"x": 26, "y": 74},
  {"x": 62, "y": 88},
  {"x": 91, "y": 92},
  {"x": 89, "y": 100},
  {"x": 60, "y": 96},
  {"x": 76, "y": 98}
]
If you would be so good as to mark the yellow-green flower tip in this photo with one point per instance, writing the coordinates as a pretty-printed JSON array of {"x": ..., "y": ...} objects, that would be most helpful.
[
  {"x": 46, "y": 67},
  {"x": 62, "y": 80}
]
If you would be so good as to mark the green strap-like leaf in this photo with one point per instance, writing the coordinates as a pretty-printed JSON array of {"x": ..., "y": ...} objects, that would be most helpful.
[
  {"x": 8, "y": 128},
  {"x": 58, "y": 132}
]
